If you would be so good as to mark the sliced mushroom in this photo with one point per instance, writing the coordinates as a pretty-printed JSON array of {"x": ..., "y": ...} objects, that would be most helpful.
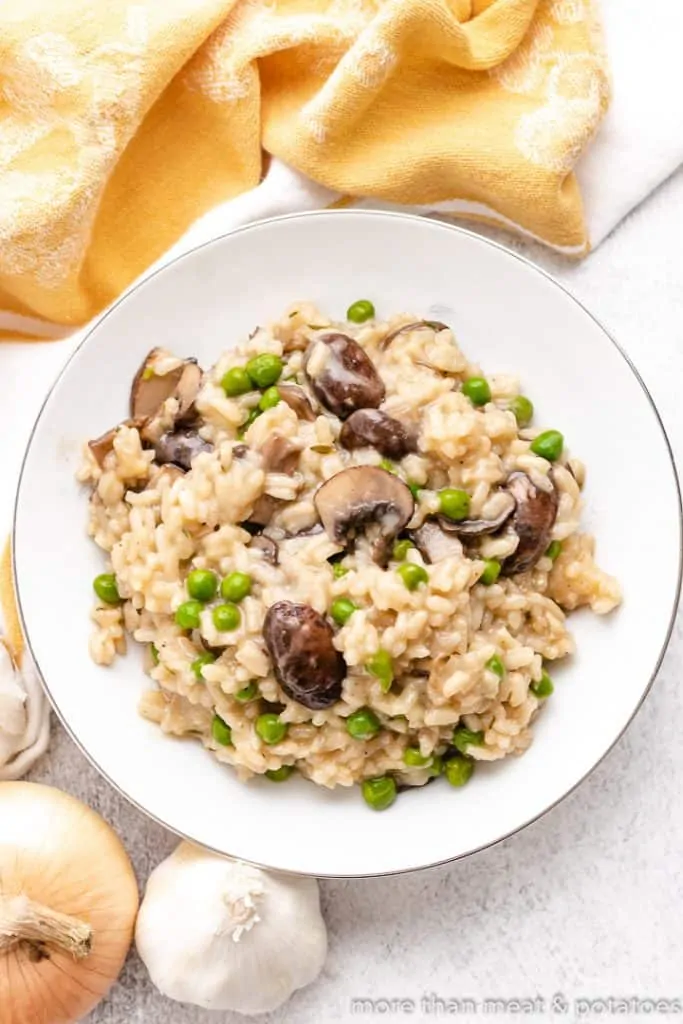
[
  {"x": 268, "y": 547},
  {"x": 434, "y": 543},
  {"x": 532, "y": 521},
  {"x": 180, "y": 447},
  {"x": 359, "y": 497},
  {"x": 374, "y": 429},
  {"x": 306, "y": 663},
  {"x": 264, "y": 509},
  {"x": 480, "y": 527},
  {"x": 280, "y": 455},
  {"x": 342, "y": 375},
  {"x": 150, "y": 389},
  {"x": 434, "y": 325},
  {"x": 296, "y": 398},
  {"x": 104, "y": 444}
]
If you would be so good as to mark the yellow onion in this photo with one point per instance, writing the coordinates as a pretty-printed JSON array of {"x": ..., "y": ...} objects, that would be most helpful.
[{"x": 68, "y": 902}]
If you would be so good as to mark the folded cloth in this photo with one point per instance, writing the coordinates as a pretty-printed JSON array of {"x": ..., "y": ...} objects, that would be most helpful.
[
  {"x": 123, "y": 125},
  {"x": 24, "y": 712}
]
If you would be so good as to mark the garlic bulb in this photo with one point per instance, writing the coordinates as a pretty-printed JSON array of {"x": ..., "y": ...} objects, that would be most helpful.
[
  {"x": 24, "y": 716},
  {"x": 68, "y": 899},
  {"x": 228, "y": 936},
  {"x": 24, "y": 711}
]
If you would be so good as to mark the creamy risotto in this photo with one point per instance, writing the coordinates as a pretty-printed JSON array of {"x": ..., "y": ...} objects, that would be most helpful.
[{"x": 347, "y": 551}]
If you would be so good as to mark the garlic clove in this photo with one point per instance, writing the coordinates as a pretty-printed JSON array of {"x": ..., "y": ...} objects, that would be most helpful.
[{"x": 228, "y": 936}]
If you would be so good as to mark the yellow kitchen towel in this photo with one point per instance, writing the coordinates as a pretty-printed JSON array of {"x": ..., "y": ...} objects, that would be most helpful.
[{"x": 123, "y": 122}]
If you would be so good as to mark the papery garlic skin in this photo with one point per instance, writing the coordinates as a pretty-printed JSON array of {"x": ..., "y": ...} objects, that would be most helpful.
[
  {"x": 12, "y": 708},
  {"x": 227, "y": 936}
]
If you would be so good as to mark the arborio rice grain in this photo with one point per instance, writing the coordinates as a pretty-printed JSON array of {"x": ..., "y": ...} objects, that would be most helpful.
[{"x": 156, "y": 523}]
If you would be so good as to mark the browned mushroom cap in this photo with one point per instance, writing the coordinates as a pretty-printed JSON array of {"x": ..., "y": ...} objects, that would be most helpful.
[
  {"x": 434, "y": 543},
  {"x": 150, "y": 389},
  {"x": 372, "y": 428},
  {"x": 342, "y": 375},
  {"x": 358, "y": 497},
  {"x": 434, "y": 325},
  {"x": 104, "y": 444},
  {"x": 180, "y": 447},
  {"x": 297, "y": 399},
  {"x": 268, "y": 548},
  {"x": 301, "y": 645},
  {"x": 480, "y": 527},
  {"x": 532, "y": 521},
  {"x": 279, "y": 454}
]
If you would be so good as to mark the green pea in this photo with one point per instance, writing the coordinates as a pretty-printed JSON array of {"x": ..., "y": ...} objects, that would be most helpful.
[
  {"x": 360, "y": 311},
  {"x": 554, "y": 550},
  {"x": 205, "y": 658},
  {"x": 437, "y": 766},
  {"x": 280, "y": 774},
  {"x": 221, "y": 731},
  {"x": 415, "y": 489},
  {"x": 226, "y": 617},
  {"x": 339, "y": 570},
  {"x": 477, "y": 390},
  {"x": 414, "y": 759},
  {"x": 236, "y": 586},
  {"x": 401, "y": 549},
  {"x": 188, "y": 614},
  {"x": 363, "y": 724},
  {"x": 548, "y": 445},
  {"x": 454, "y": 503},
  {"x": 491, "y": 571},
  {"x": 236, "y": 382},
  {"x": 265, "y": 369},
  {"x": 106, "y": 588},
  {"x": 495, "y": 664},
  {"x": 379, "y": 793},
  {"x": 271, "y": 728},
  {"x": 154, "y": 651},
  {"x": 381, "y": 667},
  {"x": 544, "y": 687},
  {"x": 523, "y": 410},
  {"x": 342, "y": 609},
  {"x": 253, "y": 415},
  {"x": 202, "y": 584},
  {"x": 247, "y": 693},
  {"x": 464, "y": 738},
  {"x": 412, "y": 575},
  {"x": 459, "y": 770},
  {"x": 269, "y": 399}
]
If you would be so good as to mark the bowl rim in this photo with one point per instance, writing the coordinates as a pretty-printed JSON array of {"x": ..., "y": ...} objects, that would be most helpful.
[{"x": 360, "y": 213}]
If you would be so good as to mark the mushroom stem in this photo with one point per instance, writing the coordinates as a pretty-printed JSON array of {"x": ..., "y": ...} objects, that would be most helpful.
[{"x": 22, "y": 920}]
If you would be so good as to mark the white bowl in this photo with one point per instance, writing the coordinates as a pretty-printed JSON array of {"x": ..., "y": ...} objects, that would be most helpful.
[{"x": 507, "y": 315}]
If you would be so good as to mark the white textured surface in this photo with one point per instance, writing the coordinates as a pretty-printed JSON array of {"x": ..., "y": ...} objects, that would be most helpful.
[{"x": 586, "y": 902}]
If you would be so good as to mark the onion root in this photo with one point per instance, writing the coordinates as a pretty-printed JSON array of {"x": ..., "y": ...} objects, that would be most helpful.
[{"x": 23, "y": 921}]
